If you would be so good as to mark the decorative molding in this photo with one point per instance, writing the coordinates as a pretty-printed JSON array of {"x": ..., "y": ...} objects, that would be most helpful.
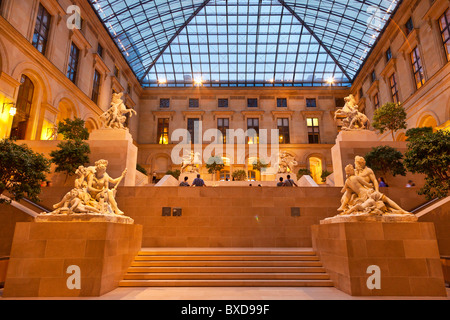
[
  {"x": 255, "y": 113},
  {"x": 436, "y": 9},
  {"x": 77, "y": 37},
  {"x": 390, "y": 68},
  {"x": 100, "y": 65},
  {"x": 374, "y": 87},
  {"x": 312, "y": 114},
  {"x": 285, "y": 114},
  {"x": 410, "y": 42},
  {"x": 217, "y": 114},
  {"x": 163, "y": 114},
  {"x": 116, "y": 85},
  {"x": 199, "y": 114}
]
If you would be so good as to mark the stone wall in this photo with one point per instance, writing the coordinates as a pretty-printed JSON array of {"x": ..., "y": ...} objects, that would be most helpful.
[{"x": 232, "y": 217}]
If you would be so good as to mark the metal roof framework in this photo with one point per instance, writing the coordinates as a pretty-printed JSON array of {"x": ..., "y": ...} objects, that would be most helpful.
[{"x": 237, "y": 43}]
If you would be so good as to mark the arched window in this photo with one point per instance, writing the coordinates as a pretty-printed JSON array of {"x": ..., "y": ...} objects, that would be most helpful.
[{"x": 23, "y": 105}]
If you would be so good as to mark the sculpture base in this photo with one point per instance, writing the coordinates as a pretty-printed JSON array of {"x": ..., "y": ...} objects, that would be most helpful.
[
  {"x": 89, "y": 217},
  {"x": 405, "y": 255},
  {"x": 70, "y": 259},
  {"x": 394, "y": 218}
]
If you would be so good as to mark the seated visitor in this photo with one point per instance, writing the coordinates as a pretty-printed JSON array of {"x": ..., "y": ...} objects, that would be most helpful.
[
  {"x": 185, "y": 183},
  {"x": 289, "y": 182},
  {"x": 198, "y": 182},
  {"x": 281, "y": 183},
  {"x": 382, "y": 183}
]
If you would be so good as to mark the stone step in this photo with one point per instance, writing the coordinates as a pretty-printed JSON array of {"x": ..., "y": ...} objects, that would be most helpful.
[
  {"x": 240, "y": 263},
  {"x": 226, "y": 258},
  {"x": 319, "y": 269},
  {"x": 226, "y": 283},
  {"x": 227, "y": 251},
  {"x": 227, "y": 276}
]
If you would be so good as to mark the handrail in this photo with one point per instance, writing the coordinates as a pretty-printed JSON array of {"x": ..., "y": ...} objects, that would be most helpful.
[
  {"x": 424, "y": 205},
  {"x": 424, "y": 209},
  {"x": 44, "y": 209}
]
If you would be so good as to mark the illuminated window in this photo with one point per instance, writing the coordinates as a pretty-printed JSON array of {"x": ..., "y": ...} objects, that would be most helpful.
[
  {"x": 283, "y": 127},
  {"x": 96, "y": 87},
  {"x": 41, "y": 29},
  {"x": 313, "y": 130},
  {"x": 73, "y": 63},
  {"x": 444, "y": 23},
  {"x": 223, "y": 124},
  {"x": 163, "y": 131},
  {"x": 23, "y": 105},
  {"x": 419, "y": 76},
  {"x": 253, "y": 130},
  {"x": 394, "y": 88}
]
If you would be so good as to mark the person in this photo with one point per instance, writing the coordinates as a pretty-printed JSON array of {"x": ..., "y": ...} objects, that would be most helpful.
[
  {"x": 382, "y": 183},
  {"x": 154, "y": 178},
  {"x": 289, "y": 182},
  {"x": 281, "y": 183},
  {"x": 185, "y": 182},
  {"x": 198, "y": 182},
  {"x": 410, "y": 184}
]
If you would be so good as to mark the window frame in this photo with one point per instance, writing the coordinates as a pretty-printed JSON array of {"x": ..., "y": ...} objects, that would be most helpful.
[
  {"x": 162, "y": 131},
  {"x": 282, "y": 103},
  {"x": 284, "y": 131},
  {"x": 308, "y": 103},
  {"x": 162, "y": 105},
  {"x": 445, "y": 29},
  {"x": 96, "y": 86},
  {"x": 417, "y": 68},
  {"x": 252, "y": 103},
  {"x": 72, "y": 66},
  {"x": 313, "y": 131},
  {"x": 223, "y": 128},
  {"x": 38, "y": 29},
  {"x": 393, "y": 84},
  {"x": 255, "y": 123}
]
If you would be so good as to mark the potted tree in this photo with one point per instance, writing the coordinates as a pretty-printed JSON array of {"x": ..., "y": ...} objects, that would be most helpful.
[
  {"x": 384, "y": 160},
  {"x": 214, "y": 164},
  {"x": 390, "y": 117}
]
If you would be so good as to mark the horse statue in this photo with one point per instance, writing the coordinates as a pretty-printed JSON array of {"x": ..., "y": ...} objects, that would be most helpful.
[
  {"x": 287, "y": 163},
  {"x": 189, "y": 163},
  {"x": 354, "y": 119},
  {"x": 115, "y": 117}
]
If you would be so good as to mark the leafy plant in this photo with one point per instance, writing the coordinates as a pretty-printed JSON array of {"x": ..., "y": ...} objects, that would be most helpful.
[
  {"x": 429, "y": 153},
  {"x": 214, "y": 164},
  {"x": 239, "y": 175},
  {"x": 21, "y": 171},
  {"x": 73, "y": 129},
  {"x": 73, "y": 152},
  {"x": 141, "y": 169},
  {"x": 324, "y": 175},
  {"x": 390, "y": 117},
  {"x": 175, "y": 173},
  {"x": 259, "y": 166},
  {"x": 417, "y": 132},
  {"x": 303, "y": 172},
  {"x": 384, "y": 160}
]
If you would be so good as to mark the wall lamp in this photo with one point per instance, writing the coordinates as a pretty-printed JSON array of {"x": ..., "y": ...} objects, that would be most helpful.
[{"x": 12, "y": 110}]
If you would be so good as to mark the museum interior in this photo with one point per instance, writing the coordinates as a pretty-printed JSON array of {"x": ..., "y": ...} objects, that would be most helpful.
[{"x": 225, "y": 144}]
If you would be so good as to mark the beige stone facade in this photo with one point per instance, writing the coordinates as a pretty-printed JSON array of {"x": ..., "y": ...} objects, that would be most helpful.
[{"x": 56, "y": 97}]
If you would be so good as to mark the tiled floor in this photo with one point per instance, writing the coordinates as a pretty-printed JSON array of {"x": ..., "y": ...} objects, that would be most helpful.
[{"x": 239, "y": 294}]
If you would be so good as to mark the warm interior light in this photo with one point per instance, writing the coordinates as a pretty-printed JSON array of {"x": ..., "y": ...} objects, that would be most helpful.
[{"x": 12, "y": 111}]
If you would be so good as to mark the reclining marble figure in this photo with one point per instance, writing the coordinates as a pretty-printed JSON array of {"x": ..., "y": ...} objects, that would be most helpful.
[
  {"x": 91, "y": 194},
  {"x": 362, "y": 195}
]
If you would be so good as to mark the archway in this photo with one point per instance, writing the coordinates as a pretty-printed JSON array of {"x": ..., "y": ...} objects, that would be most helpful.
[
  {"x": 23, "y": 109},
  {"x": 315, "y": 167},
  {"x": 428, "y": 121},
  {"x": 90, "y": 125},
  {"x": 401, "y": 137}
]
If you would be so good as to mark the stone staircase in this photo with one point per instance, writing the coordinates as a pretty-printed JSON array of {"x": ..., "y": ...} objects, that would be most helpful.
[{"x": 226, "y": 267}]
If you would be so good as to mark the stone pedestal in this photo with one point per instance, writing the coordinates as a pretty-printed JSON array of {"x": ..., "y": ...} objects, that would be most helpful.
[
  {"x": 116, "y": 146},
  {"x": 42, "y": 253},
  {"x": 406, "y": 253},
  {"x": 343, "y": 152}
]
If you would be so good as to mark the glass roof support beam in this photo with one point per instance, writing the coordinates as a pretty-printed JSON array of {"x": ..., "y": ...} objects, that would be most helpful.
[
  {"x": 173, "y": 38},
  {"x": 315, "y": 37}
]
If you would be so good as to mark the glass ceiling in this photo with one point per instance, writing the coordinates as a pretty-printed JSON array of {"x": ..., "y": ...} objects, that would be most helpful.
[{"x": 245, "y": 43}]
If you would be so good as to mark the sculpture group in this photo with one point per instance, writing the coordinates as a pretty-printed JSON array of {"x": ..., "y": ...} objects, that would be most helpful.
[
  {"x": 91, "y": 194},
  {"x": 286, "y": 163},
  {"x": 362, "y": 195},
  {"x": 115, "y": 117},
  {"x": 354, "y": 119}
]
